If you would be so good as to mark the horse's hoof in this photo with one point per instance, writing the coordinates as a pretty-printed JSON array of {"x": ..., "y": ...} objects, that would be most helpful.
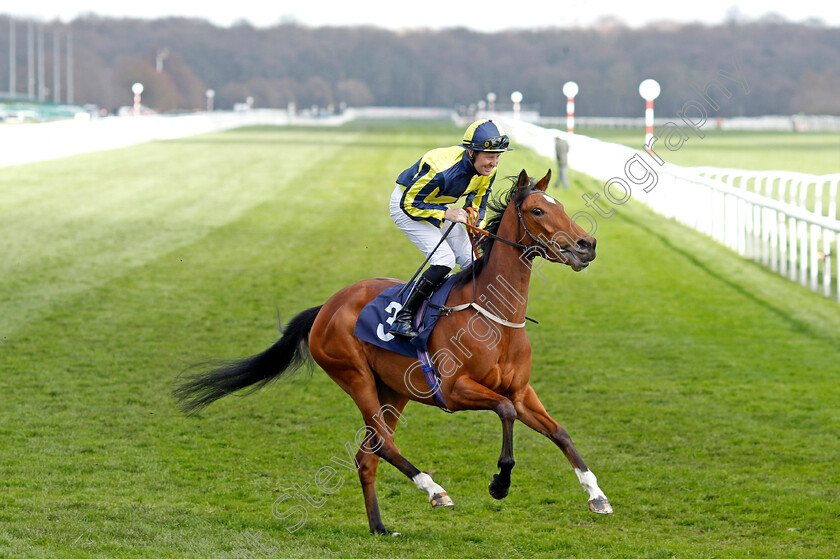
[
  {"x": 600, "y": 505},
  {"x": 383, "y": 531},
  {"x": 497, "y": 490},
  {"x": 441, "y": 500}
]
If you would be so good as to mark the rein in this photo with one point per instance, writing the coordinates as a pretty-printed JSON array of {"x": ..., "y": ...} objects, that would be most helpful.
[{"x": 475, "y": 229}]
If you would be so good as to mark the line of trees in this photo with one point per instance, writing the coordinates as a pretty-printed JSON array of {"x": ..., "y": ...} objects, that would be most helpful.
[{"x": 791, "y": 67}]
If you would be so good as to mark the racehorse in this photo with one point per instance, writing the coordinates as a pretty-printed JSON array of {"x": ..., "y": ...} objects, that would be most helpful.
[{"x": 483, "y": 355}]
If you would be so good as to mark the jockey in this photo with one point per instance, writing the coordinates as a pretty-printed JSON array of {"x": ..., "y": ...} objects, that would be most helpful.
[{"x": 420, "y": 207}]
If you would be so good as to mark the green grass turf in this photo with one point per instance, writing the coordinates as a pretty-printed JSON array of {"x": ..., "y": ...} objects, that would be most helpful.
[
  {"x": 816, "y": 153},
  {"x": 700, "y": 388}
]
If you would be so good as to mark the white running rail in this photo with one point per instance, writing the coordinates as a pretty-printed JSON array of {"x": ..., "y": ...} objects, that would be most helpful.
[{"x": 784, "y": 220}]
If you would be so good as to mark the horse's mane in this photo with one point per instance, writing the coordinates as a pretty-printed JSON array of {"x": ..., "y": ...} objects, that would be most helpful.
[{"x": 495, "y": 210}]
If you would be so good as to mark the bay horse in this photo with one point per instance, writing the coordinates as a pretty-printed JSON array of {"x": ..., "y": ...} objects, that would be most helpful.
[{"x": 483, "y": 356}]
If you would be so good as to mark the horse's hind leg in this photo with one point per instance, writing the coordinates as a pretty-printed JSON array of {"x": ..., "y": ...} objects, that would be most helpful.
[
  {"x": 381, "y": 410},
  {"x": 368, "y": 460},
  {"x": 531, "y": 412},
  {"x": 380, "y": 441}
]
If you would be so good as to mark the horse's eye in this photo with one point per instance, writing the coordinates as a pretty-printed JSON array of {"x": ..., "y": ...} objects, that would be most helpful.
[{"x": 537, "y": 211}]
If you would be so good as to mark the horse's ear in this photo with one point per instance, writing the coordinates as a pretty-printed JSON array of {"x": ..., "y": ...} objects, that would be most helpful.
[
  {"x": 544, "y": 182},
  {"x": 524, "y": 180}
]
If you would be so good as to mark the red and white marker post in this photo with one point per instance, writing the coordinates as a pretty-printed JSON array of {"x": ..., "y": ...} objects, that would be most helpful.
[
  {"x": 570, "y": 89},
  {"x": 649, "y": 90}
]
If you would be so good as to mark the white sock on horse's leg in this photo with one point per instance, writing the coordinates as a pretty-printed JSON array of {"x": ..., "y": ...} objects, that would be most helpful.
[
  {"x": 590, "y": 484},
  {"x": 437, "y": 494}
]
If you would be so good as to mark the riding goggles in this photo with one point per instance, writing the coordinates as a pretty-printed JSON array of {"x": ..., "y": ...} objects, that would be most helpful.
[{"x": 496, "y": 142}]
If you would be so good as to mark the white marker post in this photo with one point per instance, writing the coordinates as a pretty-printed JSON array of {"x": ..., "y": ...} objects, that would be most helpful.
[
  {"x": 570, "y": 89},
  {"x": 516, "y": 97},
  {"x": 649, "y": 90},
  {"x": 137, "y": 89}
]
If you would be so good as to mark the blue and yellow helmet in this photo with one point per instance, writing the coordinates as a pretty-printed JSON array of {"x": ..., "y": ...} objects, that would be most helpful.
[{"x": 486, "y": 135}]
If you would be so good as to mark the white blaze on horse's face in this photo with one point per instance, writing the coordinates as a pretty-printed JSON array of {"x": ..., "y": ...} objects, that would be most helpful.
[{"x": 549, "y": 199}]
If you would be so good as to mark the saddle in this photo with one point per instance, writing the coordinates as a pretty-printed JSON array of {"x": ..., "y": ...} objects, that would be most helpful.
[{"x": 376, "y": 318}]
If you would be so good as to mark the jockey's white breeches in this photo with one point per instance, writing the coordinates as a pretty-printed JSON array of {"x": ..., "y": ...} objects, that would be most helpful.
[{"x": 456, "y": 247}]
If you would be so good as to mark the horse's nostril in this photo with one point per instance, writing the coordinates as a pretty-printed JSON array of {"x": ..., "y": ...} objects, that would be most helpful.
[{"x": 585, "y": 244}]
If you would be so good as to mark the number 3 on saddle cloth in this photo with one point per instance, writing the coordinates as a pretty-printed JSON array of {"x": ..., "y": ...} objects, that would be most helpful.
[{"x": 377, "y": 316}]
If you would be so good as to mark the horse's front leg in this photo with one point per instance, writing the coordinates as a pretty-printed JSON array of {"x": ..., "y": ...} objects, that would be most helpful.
[
  {"x": 531, "y": 412},
  {"x": 500, "y": 484},
  {"x": 467, "y": 394}
]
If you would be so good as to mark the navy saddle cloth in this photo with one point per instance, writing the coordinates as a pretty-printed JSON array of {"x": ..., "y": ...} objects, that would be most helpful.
[{"x": 375, "y": 319}]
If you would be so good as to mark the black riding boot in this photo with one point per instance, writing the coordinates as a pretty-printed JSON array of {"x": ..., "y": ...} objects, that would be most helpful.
[{"x": 431, "y": 279}]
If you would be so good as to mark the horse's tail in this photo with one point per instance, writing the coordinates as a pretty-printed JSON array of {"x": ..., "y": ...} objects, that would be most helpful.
[{"x": 225, "y": 377}]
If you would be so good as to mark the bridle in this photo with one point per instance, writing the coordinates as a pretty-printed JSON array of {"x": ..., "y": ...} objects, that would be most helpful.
[{"x": 517, "y": 244}]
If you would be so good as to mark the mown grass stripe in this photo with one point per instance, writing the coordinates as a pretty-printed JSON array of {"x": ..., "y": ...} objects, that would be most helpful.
[{"x": 71, "y": 225}]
